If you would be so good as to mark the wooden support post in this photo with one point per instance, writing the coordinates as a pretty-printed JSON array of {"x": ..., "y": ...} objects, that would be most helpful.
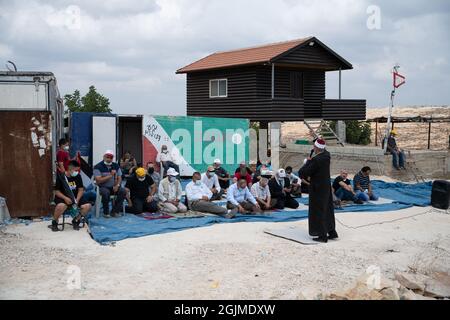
[
  {"x": 273, "y": 81},
  {"x": 340, "y": 83}
]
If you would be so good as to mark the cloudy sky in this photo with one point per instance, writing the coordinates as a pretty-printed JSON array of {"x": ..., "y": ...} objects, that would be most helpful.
[{"x": 131, "y": 49}]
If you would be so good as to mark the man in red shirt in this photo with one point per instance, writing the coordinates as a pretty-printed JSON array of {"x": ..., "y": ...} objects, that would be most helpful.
[{"x": 62, "y": 155}]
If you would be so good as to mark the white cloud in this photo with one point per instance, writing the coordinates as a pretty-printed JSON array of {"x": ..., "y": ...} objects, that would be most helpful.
[{"x": 131, "y": 49}]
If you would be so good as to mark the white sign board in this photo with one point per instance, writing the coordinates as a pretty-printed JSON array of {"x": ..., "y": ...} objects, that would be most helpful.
[
  {"x": 103, "y": 137},
  {"x": 23, "y": 96}
]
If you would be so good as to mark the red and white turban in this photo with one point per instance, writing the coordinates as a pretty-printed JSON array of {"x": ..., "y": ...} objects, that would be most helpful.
[{"x": 320, "y": 143}]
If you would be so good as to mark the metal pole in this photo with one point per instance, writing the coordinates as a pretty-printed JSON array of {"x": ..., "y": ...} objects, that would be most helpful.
[
  {"x": 388, "y": 124},
  {"x": 340, "y": 83},
  {"x": 376, "y": 133},
  {"x": 273, "y": 81},
  {"x": 429, "y": 135}
]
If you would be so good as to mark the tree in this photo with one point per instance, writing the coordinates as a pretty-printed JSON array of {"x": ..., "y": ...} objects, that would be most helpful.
[
  {"x": 91, "y": 102},
  {"x": 357, "y": 132}
]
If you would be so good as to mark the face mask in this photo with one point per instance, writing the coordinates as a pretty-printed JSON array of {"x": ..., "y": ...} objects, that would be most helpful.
[
  {"x": 172, "y": 179},
  {"x": 108, "y": 163},
  {"x": 151, "y": 170},
  {"x": 164, "y": 151},
  {"x": 141, "y": 179},
  {"x": 198, "y": 182},
  {"x": 211, "y": 174},
  {"x": 66, "y": 148},
  {"x": 74, "y": 174}
]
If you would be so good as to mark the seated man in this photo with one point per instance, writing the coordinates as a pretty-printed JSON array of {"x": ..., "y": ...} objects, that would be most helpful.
[
  {"x": 210, "y": 179},
  {"x": 243, "y": 172},
  {"x": 108, "y": 177},
  {"x": 169, "y": 193},
  {"x": 166, "y": 159},
  {"x": 362, "y": 185},
  {"x": 280, "y": 189},
  {"x": 295, "y": 182},
  {"x": 240, "y": 198},
  {"x": 74, "y": 199},
  {"x": 199, "y": 195},
  {"x": 153, "y": 174},
  {"x": 398, "y": 155},
  {"x": 260, "y": 190},
  {"x": 343, "y": 189},
  {"x": 142, "y": 190},
  {"x": 222, "y": 175}
]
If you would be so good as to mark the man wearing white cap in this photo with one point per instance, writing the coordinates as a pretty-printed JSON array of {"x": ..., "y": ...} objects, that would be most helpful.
[
  {"x": 170, "y": 192},
  {"x": 280, "y": 191},
  {"x": 321, "y": 209},
  {"x": 222, "y": 175},
  {"x": 108, "y": 177},
  {"x": 211, "y": 180}
]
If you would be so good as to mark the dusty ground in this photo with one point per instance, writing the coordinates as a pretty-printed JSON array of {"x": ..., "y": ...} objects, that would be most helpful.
[
  {"x": 411, "y": 136},
  {"x": 225, "y": 261}
]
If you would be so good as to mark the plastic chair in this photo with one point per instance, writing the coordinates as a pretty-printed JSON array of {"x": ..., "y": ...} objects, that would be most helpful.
[{"x": 98, "y": 201}]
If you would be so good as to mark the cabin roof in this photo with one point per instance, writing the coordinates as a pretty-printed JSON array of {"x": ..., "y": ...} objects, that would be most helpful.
[{"x": 263, "y": 54}]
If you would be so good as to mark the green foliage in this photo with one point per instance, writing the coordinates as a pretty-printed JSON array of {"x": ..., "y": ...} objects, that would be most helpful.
[
  {"x": 91, "y": 102},
  {"x": 357, "y": 132}
]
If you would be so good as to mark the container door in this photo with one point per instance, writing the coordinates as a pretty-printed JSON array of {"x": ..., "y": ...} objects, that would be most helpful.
[
  {"x": 26, "y": 179},
  {"x": 104, "y": 137}
]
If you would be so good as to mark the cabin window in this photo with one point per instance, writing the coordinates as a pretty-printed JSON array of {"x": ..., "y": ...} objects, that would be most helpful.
[
  {"x": 218, "y": 88},
  {"x": 297, "y": 85}
]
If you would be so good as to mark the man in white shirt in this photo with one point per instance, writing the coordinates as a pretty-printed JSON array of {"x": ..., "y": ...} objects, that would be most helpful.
[
  {"x": 260, "y": 190},
  {"x": 165, "y": 158},
  {"x": 211, "y": 180},
  {"x": 238, "y": 196},
  {"x": 199, "y": 195},
  {"x": 169, "y": 193}
]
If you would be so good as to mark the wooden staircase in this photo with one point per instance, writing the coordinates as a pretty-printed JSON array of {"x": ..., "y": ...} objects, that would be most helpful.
[{"x": 320, "y": 129}]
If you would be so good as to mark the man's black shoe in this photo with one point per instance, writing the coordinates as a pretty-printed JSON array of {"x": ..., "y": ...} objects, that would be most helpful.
[
  {"x": 358, "y": 201},
  {"x": 333, "y": 235},
  {"x": 76, "y": 224},
  {"x": 321, "y": 239},
  {"x": 55, "y": 225}
]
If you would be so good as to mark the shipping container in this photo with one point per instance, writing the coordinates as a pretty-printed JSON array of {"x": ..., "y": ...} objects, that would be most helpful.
[
  {"x": 31, "y": 123},
  {"x": 194, "y": 141}
]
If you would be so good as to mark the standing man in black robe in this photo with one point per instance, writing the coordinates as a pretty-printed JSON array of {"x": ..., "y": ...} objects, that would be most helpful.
[{"x": 321, "y": 210}]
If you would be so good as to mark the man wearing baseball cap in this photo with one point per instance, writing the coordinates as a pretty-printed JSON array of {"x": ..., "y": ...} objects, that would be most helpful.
[
  {"x": 321, "y": 209},
  {"x": 142, "y": 189},
  {"x": 222, "y": 175},
  {"x": 108, "y": 177},
  {"x": 398, "y": 155},
  {"x": 169, "y": 193}
]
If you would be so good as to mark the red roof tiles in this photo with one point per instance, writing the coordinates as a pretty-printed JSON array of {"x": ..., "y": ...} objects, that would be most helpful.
[{"x": 253, "y": 55}]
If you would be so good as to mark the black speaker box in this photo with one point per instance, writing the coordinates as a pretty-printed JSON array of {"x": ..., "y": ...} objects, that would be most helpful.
[{"x": 440, "y": 194}]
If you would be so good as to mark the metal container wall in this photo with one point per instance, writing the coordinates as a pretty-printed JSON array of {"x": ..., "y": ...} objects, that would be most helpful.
[{"x": 26, "y": 179}]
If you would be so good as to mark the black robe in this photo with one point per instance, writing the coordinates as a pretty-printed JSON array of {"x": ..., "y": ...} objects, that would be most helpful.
[{"x": 321, "y": 209}]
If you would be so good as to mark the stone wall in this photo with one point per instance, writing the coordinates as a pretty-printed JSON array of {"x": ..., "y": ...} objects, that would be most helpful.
[{"x": 430, "y": 164}]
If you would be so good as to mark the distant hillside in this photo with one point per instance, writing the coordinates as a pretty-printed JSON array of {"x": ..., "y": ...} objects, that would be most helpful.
[{"x": 410, "y": 135}]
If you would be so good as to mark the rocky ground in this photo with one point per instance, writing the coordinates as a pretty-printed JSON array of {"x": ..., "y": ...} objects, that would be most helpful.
[{"x": 231, "y": 261}]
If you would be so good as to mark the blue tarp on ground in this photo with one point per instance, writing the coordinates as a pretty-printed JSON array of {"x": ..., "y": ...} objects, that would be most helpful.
[
  {"x": 130, "y": 226},
  {"x": 418, "y": 194}
]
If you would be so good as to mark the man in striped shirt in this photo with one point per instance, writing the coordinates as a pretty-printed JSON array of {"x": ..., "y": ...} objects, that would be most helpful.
[{"x": 362, "y": 185}]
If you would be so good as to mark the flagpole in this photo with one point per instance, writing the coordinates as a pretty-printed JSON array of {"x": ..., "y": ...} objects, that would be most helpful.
[{"x": 391, "y": 106}]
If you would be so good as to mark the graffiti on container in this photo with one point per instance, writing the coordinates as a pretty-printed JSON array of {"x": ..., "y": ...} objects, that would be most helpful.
[
  {"x": 152, "y": 131},
  {"x": 40, "y": 135}
]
